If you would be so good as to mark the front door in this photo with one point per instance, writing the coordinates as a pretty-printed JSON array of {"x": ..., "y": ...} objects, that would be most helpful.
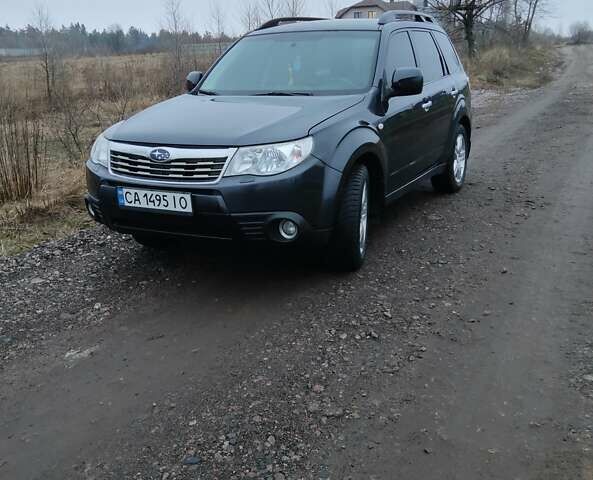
[{"x": 403, "y": 120}]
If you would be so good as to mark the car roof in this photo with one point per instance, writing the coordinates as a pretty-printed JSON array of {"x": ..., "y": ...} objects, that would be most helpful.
[
  {"x": 320, "y": 25},
  {"x": 344, "y": 25}
]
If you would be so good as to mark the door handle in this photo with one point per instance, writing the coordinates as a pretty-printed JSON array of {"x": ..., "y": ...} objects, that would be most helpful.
[{"x": 427, "y": 106}]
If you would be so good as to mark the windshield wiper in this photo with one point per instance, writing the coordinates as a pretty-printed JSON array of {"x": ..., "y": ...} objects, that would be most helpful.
[
  {"x": 206, "y": 92},
  {"x": 284, "y": 94}
]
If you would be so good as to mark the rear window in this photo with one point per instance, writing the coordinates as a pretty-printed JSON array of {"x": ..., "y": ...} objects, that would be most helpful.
[
  {"x": 427, "y": 55},
  {"x": 449, "y": 53}
]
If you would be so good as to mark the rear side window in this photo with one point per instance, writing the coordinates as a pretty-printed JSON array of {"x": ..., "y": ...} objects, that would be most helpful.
[
  {"x": 400, "y": 53},
  {"x": 427, "y": 55},
  {"x": 449, "y": 53}
]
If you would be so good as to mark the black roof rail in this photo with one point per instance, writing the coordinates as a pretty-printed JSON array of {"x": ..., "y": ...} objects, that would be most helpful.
[
  {"x": 275, "y": 22},
  {"x": 396, "y": 15}
]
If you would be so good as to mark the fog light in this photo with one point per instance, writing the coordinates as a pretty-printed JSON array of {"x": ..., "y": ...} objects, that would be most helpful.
[{"x": 288, "y": 229}]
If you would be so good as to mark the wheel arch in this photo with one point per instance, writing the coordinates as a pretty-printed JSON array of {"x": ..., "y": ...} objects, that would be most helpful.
[
  {"x": 462, "y": 117},
  {"x": 377, "y": 179},
  {"x": 363, "y": 146},
  {"x": 465, "y": 121}
]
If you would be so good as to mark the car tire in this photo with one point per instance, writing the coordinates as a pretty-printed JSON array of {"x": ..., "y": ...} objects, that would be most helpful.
[
  {"x": 153, "y": 242},
  {"x": 454, "y": 177},
  {"x": 350, "y": 237}
]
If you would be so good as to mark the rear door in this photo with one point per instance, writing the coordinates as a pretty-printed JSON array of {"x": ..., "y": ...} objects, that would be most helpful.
[
  {"x": 458, "y": 80},
  {"x": 404, "y": 117},
  {"x": 436, "y": 105}
]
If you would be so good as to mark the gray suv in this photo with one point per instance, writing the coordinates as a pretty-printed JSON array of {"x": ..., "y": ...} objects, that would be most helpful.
[{"x": 297, "y": 134}]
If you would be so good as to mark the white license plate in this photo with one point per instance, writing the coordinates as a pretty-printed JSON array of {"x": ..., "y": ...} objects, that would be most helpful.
[{"x": 154, "y": 200}]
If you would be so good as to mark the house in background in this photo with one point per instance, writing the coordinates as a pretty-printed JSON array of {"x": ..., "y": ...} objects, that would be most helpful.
[{"x": 376, "y": 8}]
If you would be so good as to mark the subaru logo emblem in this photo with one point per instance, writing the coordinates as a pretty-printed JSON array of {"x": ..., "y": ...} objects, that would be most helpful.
[{"x": 160, "y": 155}]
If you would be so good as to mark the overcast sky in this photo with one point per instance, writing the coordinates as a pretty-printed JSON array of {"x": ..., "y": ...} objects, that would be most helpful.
[{"x": 147, "y": 14}]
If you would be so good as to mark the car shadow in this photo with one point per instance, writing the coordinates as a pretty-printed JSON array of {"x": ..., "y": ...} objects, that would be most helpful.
[
  {"x": 251, "y": 258},
  {"x": 205, "y": 289}
]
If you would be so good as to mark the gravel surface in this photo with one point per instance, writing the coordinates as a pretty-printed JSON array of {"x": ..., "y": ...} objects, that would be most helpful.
[{"x": 461, "y": 350}]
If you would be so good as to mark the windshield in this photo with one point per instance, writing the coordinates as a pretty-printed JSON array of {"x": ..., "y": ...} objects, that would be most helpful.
[{"x": 302, "y": 63}]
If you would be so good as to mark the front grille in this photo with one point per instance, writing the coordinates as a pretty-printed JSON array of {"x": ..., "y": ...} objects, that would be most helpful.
[{"x": 197, "y": 166}]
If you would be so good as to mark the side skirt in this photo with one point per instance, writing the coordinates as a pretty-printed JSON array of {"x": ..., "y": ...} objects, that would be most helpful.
[{"x": 401, "y": 191}]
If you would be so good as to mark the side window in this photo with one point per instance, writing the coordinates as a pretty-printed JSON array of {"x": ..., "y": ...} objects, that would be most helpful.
[
  {"x": 427, "y": 55},
  {"x": 449, "y": 53},
  {"x": 400, "y": 53}
]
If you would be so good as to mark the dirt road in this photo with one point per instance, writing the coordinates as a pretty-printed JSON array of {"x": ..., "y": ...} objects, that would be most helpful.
[{"x": 463, "y": 349}]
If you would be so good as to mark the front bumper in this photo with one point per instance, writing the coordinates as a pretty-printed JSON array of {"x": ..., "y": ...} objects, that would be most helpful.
[{"x": 244, "y": 208}]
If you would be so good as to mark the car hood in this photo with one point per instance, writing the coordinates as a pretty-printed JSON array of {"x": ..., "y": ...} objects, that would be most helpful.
[{"x": 229, "y": 121}]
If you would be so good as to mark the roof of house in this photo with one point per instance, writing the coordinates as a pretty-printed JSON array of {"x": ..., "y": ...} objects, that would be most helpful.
[{"x": 385, "y": 6}]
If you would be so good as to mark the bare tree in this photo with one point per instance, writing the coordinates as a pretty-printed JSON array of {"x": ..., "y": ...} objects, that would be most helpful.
[
  {"x": 270, "y": 9},
  {"x": 23, "y": 152},
  {"x": 331, "y": 7},
  {"x": 294, "y": 8},
  {"x": 217, "y": 20},
  {"x": 525, "y": 12},
  {"x": 49, "y": 56},
  {"x": 468, "y": 13},
  {"x": 177, "y": 26},
  {"x": 119, "y": 87},
  {"x": 71, "y": 118},
  {"x": 581, "y": 32},
  {"x": 501, "y": 14},
  {"x": 251, "y": 16}
]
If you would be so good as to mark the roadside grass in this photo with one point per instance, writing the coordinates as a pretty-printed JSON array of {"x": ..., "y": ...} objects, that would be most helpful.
[
  {"x": 97, "y": 92},
  {"x": 90, "y": 94},
  {"x": 45, "y": 223},
  {"x": 55, "y": 211},
  {"x": 506, "y": 67}
]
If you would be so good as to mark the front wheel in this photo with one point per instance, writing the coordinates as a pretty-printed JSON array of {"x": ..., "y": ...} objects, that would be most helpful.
[
  {"x": 350, "y": 239},
  {"x": 454, "y": 177}
]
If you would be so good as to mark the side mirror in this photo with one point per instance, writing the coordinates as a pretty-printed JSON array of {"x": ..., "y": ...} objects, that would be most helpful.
[
  {"x": 406, "y": 82},
  {"x": 192, "y": 80}
]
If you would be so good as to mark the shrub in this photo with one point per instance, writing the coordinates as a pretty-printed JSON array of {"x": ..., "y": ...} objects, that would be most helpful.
[
  {"x": 504, "y": 66},
  {"x": 69, "y": 126},
  {"x": 23, "y": 154}
]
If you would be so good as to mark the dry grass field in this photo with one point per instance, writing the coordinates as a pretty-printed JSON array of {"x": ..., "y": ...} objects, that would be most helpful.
[
  {"x": 505, "y": 67},
  {"x": 44, "y": 144},
  {"x": 89, "y": 95}
]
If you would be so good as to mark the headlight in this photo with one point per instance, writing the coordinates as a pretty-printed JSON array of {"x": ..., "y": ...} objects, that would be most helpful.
[
  {"x": 100, "y": 151},
  {"x": 269, "y": 159}
]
